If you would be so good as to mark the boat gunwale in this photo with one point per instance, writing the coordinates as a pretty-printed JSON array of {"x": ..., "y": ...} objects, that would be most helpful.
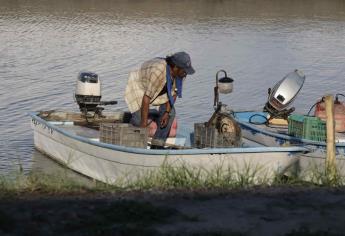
[
  {"x": 285, "y": 136},
  {"x": 192, "y": 151}
]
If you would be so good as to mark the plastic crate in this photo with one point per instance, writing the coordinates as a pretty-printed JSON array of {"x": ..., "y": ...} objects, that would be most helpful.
[
  {"x": 307, "y": 127},
  {"x": 295, "y": 125},
  {"x": 123, "y": 134}
]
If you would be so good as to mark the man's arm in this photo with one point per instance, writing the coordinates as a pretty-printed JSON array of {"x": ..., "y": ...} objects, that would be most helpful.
[
  {"x": 165, "y": 117},
  {"x": 145, "y": 110},
  {"x": 168, "y": 106}
]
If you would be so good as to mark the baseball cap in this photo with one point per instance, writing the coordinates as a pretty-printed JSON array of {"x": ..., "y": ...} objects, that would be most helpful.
[{"x": 183, "y": 61}]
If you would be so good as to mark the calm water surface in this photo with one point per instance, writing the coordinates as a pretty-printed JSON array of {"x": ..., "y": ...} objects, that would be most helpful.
[{"x": 44, "y": 44}]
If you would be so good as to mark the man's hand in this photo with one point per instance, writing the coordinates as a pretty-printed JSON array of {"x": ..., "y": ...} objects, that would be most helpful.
[{"x": 164, "y": 120}]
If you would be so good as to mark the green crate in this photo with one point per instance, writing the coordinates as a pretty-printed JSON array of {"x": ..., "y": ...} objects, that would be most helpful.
[
  {"x": 307, "y": 127},
  {"x": 295, "y": 125}
]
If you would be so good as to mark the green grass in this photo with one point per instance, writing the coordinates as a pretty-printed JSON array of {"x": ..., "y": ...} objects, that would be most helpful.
[
  {"x": 196, "y": 178},
  {"x": 169, "y": 177},
  {"x": 326, "y": 177},
  {"x": 57, "y": 183},
  {"x": 129, "y": 217}
]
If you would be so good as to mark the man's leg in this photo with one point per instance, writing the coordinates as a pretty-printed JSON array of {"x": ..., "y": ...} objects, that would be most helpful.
[
  {"x": 136, "y": 117},
  {"x": 162, "y": 132}
]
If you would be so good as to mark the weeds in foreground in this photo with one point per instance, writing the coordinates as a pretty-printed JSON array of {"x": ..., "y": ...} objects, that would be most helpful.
[
  {"x": 192, "y": 178},
  {"x": 57, "y": 183},
  {"x": 169, "y": 177},
  {"x": 319, "y": 175}
]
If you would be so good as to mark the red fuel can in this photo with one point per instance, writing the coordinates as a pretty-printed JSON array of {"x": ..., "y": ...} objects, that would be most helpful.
[{"x": 339, "y": 114}]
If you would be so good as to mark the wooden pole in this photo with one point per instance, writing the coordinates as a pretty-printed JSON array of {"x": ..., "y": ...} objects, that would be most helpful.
[{"x": 330, "y": 160}]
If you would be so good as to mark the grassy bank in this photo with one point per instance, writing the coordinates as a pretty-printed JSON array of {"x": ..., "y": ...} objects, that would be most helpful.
[
  {"x": 167, "y": 178},
  {"x": 174, "y": 201}
]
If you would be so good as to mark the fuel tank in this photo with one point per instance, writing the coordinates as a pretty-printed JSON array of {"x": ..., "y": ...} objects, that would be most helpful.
[{"x": 339, "y": 114}]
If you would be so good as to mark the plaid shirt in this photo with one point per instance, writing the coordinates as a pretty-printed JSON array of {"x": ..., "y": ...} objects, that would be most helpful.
[{"x": 149, "y": 80}]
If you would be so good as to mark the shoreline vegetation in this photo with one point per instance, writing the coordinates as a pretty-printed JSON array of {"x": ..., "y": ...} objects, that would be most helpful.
[
  {"x": 170, "y": 178},
  {"x": 173, "y": 201}
]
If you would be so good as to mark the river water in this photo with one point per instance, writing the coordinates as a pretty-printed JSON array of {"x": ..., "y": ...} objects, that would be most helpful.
[{"x": 45, "y": 44}]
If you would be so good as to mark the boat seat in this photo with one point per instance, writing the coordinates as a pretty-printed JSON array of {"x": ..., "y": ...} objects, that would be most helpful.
[{"x": 81, "y": 131}]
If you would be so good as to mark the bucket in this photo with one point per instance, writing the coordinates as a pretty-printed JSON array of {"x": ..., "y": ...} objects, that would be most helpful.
[
  {"x": 225, "y": 84},
  {"x": 339, "y": 114}
]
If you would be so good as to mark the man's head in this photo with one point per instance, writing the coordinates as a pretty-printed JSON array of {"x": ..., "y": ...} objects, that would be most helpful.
[{"x": 182, "y": 63}]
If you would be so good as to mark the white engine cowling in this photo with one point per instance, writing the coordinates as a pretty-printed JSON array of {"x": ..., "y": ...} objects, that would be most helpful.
[
  {"x": 88, "y": 91},
  {"x": 88, "y": 84},
  {"x": 286, "y": 90}
]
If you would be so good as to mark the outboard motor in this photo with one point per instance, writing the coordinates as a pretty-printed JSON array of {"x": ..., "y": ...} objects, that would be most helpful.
[
  {"x": 283, "y": 94},
  {"x": 88, "y": 94}
]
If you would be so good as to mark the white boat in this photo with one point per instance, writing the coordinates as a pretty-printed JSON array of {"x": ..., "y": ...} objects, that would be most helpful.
[
  {"x": 254, "y": 128},
  {"x": 58, "y": 135},
  {"x": 311, "y": 165}
]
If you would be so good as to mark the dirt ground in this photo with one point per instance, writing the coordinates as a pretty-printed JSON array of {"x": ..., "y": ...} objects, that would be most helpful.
[{"x": 273, "y": 211}]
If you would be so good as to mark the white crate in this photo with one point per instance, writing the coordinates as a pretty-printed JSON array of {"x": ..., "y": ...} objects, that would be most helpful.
[{"x": 123, "y": 134}]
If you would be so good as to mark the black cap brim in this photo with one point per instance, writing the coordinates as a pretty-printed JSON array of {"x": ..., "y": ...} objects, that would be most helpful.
[{"x": 189, "y": 70}]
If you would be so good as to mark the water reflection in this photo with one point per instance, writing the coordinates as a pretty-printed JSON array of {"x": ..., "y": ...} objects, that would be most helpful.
[
  {"x": 43, "y": 164},
  {"x": 45, "y": 44},
  {"x": 185, "y": 9}
]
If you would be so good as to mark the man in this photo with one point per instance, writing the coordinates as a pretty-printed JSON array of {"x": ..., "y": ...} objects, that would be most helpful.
[{"x": 158, "y": 82}]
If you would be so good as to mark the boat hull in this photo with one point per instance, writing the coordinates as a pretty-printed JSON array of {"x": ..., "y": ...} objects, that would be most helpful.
[{"x": 110, "y": 163}]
